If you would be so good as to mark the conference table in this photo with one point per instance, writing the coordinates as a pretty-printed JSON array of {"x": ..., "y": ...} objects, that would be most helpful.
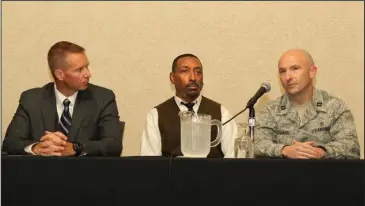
[{"x": 35, "y": 180}]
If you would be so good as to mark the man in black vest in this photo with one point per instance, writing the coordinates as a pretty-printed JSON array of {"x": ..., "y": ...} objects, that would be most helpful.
[{"x": 161, "y": 134}]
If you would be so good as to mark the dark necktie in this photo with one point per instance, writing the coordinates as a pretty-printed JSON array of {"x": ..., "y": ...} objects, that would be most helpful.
[
  {"x": 65, "y": 122},
  {"x": 189, "y": 106}
]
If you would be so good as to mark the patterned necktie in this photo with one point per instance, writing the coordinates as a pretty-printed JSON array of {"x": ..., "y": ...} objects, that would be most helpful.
[
  {"x": 65, "y": 122},
  {"x": 189, "y": 106}
]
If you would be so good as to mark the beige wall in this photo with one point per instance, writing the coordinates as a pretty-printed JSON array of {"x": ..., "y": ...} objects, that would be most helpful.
[{"x": 131, "y": 47}]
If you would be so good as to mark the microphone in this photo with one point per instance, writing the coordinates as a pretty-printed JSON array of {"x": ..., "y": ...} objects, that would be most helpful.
[{"x": 265, "y": 87}]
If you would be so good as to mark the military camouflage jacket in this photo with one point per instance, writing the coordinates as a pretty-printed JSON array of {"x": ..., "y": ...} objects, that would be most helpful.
[{"x": 327, "y": 121}]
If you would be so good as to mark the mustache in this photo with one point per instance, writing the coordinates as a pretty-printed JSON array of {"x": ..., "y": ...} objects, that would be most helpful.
[{"x": 196, "y": 84}]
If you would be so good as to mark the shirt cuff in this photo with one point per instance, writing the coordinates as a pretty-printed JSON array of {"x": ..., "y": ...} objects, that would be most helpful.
[
  {"x": 28, "y": 149},
  {"x": 278, "y": 149}
]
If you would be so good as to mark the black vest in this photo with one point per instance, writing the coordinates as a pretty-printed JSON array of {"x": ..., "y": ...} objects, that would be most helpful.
[{"x": 169, "y": 125}]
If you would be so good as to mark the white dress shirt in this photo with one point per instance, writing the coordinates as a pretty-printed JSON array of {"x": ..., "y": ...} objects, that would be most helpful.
[
  {"x": 151, "y": 136},
  {"x": 59, "y": 104}
]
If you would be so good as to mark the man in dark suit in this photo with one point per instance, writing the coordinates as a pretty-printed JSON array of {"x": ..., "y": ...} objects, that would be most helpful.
[{"x": 69, "y": 117}]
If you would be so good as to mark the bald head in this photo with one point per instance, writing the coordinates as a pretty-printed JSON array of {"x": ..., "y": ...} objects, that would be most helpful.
[
  {"x": 296, "y": 72},
  {"x": 299, "y": 54}
]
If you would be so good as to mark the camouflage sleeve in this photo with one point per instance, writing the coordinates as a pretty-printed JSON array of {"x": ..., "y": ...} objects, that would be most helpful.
[
  {"x": 265, "y": 134},
  {"x": 344, "y": 143}
]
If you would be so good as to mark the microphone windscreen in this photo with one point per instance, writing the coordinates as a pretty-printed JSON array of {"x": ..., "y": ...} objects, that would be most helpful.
[{"x": 267, "y": 86}]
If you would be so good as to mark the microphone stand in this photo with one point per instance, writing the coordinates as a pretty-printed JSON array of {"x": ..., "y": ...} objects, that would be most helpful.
[
  {"x": 251, "y": 125},
  {"x": 251, "y": 122}
]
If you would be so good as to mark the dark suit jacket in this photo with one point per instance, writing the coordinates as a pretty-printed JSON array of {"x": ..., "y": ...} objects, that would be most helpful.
[{"x": 95, "y": 121}]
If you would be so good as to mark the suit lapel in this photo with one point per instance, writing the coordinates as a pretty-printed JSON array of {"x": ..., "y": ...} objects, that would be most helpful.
[
  {"x": 82, "y": 106},
  {"x": 49, "y": 109}
]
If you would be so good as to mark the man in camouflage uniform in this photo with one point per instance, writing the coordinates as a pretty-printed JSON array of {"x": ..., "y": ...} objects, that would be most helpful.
[{"x": 305, "y": 122}]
